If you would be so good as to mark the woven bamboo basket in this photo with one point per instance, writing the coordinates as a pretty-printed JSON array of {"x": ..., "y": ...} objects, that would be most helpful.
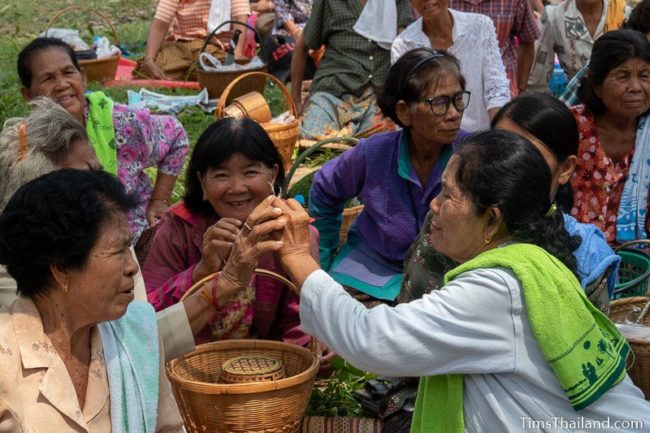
[
  {"x": 217, "y": 82},
  {"x": 96, "y": 69},
  {"x": 349, "y": 215},
  {"x": 284, "y": 135},
  {"x": 639, "y": 370},
  {"x": 253, "y": 407},
  {"x": 274, "y": 406}
]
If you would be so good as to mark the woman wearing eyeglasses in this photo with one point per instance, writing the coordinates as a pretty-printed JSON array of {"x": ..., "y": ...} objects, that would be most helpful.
[
  {"x": 472, "y": 39},
  {"x": 395, "y": 175}
]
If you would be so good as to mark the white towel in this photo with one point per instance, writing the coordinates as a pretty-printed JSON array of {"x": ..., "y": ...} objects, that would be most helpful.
[
  {"x": 378, "y": 21},
  {"x": 219, "y": 13}
]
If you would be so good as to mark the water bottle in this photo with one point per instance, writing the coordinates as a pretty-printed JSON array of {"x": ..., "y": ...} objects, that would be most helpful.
[{"x": 558, "y": 81}]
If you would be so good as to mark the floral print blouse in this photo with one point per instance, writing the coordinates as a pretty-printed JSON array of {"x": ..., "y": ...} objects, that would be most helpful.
[
  {"x": 598, "y": 181},
  {"x": 145, "y": 140}
]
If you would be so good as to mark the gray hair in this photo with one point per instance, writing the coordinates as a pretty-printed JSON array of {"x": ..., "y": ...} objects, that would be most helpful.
[{"x": 50, "y": 132}]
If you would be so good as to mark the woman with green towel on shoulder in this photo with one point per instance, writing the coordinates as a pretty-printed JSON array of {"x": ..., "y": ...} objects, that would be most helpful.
[
  {"x": 126, "y": 141},
  {"x": 510, "y": 343}
]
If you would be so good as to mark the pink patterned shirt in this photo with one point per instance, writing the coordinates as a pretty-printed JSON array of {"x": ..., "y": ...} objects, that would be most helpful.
[{"x": 145, "y": 140}]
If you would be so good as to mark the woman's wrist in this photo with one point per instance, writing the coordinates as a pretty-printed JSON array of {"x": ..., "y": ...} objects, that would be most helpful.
[
  {"x": 164, "y": 200},
  {"x": 299, "y": 267}
]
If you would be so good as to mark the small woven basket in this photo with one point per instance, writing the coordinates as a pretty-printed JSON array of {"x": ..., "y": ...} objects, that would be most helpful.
[
  {"x": 217, "y": 81},
  {"x": 639, "y": 370},
  {"x": 251, "y": 105},
  {"x": 284, "y": 135},
  {"x": 96, "y": 69},
  {"x": 272, "y": 406},
  {"x": 634, "y": 271},
  {"x": 250, "y": 368}
]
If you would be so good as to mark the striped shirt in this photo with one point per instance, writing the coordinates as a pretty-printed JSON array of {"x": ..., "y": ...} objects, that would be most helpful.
[
  {"x": 190, "y": 17},
  {"x": 511, "y": 18}
]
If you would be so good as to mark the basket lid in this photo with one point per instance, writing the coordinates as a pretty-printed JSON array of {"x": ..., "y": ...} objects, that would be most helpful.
[{"x": 251, "y": 365}]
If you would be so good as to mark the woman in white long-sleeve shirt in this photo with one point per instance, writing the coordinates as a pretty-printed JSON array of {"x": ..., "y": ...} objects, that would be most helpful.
[
  {"x": 511, "y": 343},
  {"x": 471, "y": 38}
]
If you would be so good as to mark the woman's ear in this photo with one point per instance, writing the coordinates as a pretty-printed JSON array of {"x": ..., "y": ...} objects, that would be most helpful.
[
  {"x": 60, "y": 276},
  {"x": 403, "y": 112},
  {"x": 27, "y": 94},
  {"x": 566, "y": 169},
  {"x": 274, "y": 170},
  {"x": 494, "y": 223},
  {"x": 597, "y": 91},
  {"x": 84, "y": 77},
  {"x": 201, "y": 179}
]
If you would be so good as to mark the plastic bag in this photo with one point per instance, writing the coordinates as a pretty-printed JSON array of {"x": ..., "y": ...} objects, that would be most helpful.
[
  {"x": 209, "y": 63},
  {"x": 285, "y": 117},
  {"x": 104, "y": 48},
  {"x": 69, "y": 36},
  {"x": 169, "y": 104}
]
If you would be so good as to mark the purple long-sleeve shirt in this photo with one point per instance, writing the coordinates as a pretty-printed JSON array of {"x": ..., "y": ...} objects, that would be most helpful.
[{"x": 379, "y": 172}]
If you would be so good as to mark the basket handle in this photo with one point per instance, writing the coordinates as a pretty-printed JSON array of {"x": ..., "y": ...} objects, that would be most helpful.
[
  {"x": 299, "y": 160},
  {"x": 257, "y": 35},
  {"x": 87, "y": 9},
  {"x": 313, "y": 343},
  {"x": 630, "y": 243},
  {"x": 285, "y": 93},
  {"x": 258, "y": 271}
]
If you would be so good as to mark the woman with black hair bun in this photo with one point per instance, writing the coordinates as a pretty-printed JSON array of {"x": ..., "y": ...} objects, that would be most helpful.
[{"x": 510, "y": 343}]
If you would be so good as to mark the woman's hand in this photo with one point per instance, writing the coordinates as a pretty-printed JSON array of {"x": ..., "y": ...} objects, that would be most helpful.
[
  {"x": 295, "y": 250},
  {"x": 253, "y": 240},
  {"x": 152, "y": 70},
  {"x": 156, "y": 210},
  {"x": 295, "y": 237},
  {"x": 217, "y": 243}
]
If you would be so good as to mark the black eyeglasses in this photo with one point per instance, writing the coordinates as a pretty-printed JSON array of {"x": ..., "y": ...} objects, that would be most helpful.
[{"x": 440, "y": 104}]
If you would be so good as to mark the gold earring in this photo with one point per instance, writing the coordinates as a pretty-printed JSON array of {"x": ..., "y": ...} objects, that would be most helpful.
[
  {"x": 65, "y": 286},
  {"x": 487, "y": 240}
]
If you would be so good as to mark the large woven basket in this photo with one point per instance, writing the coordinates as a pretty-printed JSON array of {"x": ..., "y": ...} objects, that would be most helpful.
[
  {"x": 639, "y": 370},
  {"x": 276, "y": 406},
  {"x": 216, "y": 82},
  {"x": 284, "y": 135},
  {"x": 97, "y": 69}
]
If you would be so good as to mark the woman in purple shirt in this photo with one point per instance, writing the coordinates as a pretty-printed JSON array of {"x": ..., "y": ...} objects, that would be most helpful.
[{"x": 395, "y": 175}]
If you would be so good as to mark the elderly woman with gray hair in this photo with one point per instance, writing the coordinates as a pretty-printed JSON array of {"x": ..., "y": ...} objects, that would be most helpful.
[
  {"x": 56, "y": 140},
  {"x": 49, "y": 139}
]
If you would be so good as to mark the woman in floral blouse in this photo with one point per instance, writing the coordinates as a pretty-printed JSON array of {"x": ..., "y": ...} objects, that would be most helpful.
[
  {"x": 612, "y": 175},
  {"x": 126, "y": 141},
  {"x": 233, "y": 169}
]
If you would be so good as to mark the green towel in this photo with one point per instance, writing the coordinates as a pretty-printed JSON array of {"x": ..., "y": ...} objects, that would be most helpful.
[
  {"x": 101, "y": 131},
  {"x": 585, "y": 350}
]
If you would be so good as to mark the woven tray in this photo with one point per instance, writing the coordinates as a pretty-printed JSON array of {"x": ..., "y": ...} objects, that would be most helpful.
[{"x": 251, "y": 368}]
